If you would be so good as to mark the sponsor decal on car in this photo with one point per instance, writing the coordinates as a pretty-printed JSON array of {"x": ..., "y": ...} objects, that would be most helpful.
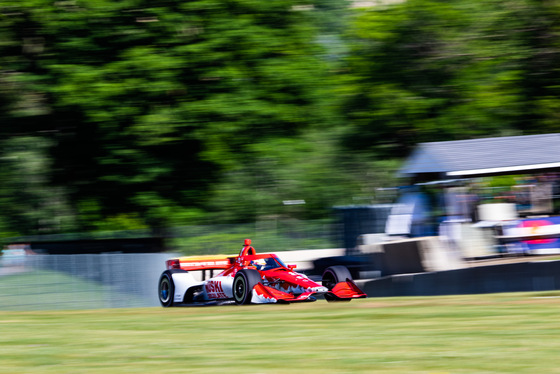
[{"x": 214, "y": 290}]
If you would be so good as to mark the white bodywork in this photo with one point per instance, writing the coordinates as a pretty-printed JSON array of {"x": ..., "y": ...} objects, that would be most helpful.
[
  {"x": 182, "y": 281},
  {"x": 261, "y": 299},
  {"x": 213, "y": 288}
]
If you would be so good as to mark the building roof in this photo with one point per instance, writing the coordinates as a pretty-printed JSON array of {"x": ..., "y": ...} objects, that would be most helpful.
[{"x": 488, "y": 156}]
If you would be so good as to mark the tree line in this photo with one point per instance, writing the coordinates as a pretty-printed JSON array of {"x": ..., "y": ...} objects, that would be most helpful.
[{"x": 149, "y": 114}]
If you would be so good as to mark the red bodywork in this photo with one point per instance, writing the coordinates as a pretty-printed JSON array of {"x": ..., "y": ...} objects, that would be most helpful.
[{"x": 279, "y": 283}]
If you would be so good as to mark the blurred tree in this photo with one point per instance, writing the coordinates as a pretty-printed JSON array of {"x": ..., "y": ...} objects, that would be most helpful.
[
  {"x": 332, "y": 19},
  {"x": 29, "y": 205},
  {"x": 144, "y": 113},
  {"x": 149, "y": 102},
  {"x": 428, "y": 70},
  {"x": 310, "y": 170},
  {"x": 541, "y": 77}
]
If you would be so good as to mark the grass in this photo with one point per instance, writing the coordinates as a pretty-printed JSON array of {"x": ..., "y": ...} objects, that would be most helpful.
[{"x": 501, "y": 333}]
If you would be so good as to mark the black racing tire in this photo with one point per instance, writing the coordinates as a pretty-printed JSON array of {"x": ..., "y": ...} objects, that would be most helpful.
[
  {"x": 335, "y": 274},
  {"x": 166, "y": 289},
  {"x": 243, "y": 284}
]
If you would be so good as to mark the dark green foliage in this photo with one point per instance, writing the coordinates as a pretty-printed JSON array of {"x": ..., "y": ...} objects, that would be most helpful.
[
  {"x": 149, "y": 103},
  {"x": 427, "y": 70},
  {"x": 140, "y": 114}
]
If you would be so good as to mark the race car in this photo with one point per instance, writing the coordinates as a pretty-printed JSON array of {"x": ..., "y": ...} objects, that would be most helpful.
[{"x": 249, "y": 278}]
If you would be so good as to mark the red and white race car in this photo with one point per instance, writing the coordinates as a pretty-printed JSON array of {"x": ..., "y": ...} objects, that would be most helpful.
[{"x": 249, "y": 278}]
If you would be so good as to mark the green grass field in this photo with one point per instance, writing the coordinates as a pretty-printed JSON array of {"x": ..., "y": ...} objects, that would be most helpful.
[{"x": 502, "y": 333}]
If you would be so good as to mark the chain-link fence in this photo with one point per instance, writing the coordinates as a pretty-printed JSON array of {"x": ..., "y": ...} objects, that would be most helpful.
[
  {"x": 114, "y": 280},
  {"x": 88, "y": 281},
  {"x": 270, "y": 234}
]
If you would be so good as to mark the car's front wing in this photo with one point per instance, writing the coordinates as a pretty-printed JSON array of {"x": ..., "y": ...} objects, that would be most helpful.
[{"x": 342, "y": 291}]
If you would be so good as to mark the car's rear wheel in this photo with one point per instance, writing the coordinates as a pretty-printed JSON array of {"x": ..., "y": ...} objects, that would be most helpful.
[
  {"x": 166, "y": 289},
  {"x": 243, "y": 284},
  {"x": 335, "y": 274}
]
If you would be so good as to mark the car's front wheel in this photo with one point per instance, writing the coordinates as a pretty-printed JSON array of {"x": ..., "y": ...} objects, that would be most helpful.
[
  {"x": 166, "y": 289},
  {"x": 243, "y": 283},
  {"x": 335, "y": 274}
]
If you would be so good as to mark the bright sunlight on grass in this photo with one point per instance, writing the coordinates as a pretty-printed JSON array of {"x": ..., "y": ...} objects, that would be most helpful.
[{"x": 503, "y": 333}]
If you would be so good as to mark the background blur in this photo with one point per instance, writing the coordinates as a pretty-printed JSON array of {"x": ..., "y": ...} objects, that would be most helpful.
[{"x": 160, "y": 116}]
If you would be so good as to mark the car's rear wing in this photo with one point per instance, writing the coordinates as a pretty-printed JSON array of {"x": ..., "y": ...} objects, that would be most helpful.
[{"x": 190, "y": 263}]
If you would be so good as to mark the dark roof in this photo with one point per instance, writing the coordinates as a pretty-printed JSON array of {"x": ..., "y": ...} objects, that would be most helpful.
[{"x": 476, "y": 157}]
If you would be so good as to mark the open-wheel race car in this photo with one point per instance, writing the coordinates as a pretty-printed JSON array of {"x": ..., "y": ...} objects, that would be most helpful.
[{"x": 249, "y": 278}]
